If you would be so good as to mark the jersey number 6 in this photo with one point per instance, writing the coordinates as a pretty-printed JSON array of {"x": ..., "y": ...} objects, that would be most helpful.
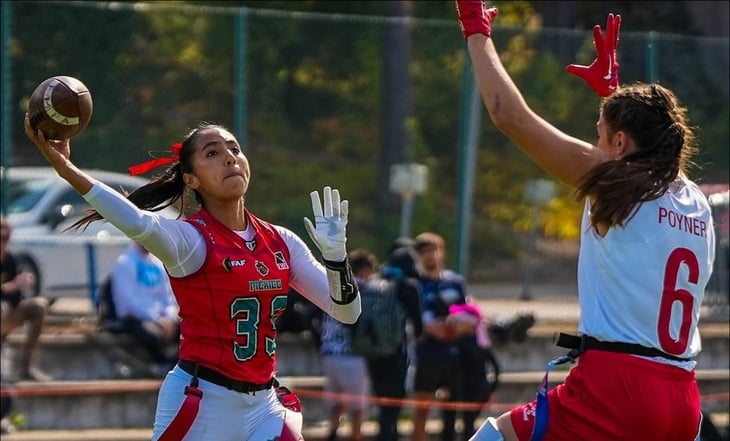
[{"x": 671, "y": 294}]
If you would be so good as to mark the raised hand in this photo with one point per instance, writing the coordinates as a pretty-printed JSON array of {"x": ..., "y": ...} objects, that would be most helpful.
[
  {"x": 328, "y": 230},
  {"x": 602, "y": 74},
  {"x": 474, "y": 17},
  {"x": 54, "y": 150}
]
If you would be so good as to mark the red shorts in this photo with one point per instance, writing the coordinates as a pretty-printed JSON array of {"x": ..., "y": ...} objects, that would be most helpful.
[{"x": 612, "y": 396}]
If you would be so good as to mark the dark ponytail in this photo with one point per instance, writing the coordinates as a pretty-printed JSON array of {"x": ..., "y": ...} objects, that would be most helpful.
[
  {"x": 164, "y": 190},
  {"x": 653, "y": 117}
]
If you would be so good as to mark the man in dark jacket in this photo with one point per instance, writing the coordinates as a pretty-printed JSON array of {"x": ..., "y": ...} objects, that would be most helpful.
[{"x": 388, "y": 372}]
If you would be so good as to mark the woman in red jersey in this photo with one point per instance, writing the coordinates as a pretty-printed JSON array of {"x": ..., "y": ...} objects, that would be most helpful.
[
  {"x": 641, "y": 275},
  {"x": 231, "y": 273}
]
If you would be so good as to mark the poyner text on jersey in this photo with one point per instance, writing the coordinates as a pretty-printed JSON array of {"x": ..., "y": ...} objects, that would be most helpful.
[{"x": 681, "y": 222}]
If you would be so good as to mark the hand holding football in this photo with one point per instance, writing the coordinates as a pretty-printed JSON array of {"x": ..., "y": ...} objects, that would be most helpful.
[{"x": 60, "y": 107}]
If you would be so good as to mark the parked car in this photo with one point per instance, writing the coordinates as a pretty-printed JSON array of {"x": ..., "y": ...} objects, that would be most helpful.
[{"x": 40, "y": 206}]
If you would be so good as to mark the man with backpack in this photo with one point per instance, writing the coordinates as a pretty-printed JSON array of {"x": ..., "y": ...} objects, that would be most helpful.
[
  {"x": 390, "y": 300},
  {"x": 344, "y": 371}
]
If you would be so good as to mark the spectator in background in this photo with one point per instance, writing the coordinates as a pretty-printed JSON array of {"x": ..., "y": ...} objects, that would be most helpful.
[
  {"x": 145, "y": 305},
  {"x": 18, "y": 310},
  {"x": 475, "y": 356},
  {"x": 388, "y": 372},
  {"x": 448, "y": 354},
  {"x": 344, "y": 372}
]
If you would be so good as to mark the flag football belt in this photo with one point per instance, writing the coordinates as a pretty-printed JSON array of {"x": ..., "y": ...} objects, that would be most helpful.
[
  {"x": 196, "y": 370},
  {"x": 183, "y": 420},
  {"x": 580, "y": 343}
]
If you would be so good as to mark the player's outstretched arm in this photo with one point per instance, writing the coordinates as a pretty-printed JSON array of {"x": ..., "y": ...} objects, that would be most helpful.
[{"x": 560, "y": 155}]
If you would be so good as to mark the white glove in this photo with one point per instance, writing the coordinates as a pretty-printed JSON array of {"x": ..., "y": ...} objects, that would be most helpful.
[{"x": 328, "y": 231}]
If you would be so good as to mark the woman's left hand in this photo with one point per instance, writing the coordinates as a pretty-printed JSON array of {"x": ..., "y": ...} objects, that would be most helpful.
[
  {"x": 602, "y": 74},
  {"x": 328, "y": 230}
]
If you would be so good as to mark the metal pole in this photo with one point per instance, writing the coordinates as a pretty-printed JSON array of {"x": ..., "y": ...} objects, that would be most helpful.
[
  {"x": 527, "y": 267},
  {"x": 406, "y": 215},
  {"x": 651, "y": 58},
  {"x": 91, "y": 261},
  {"x": 240, "y": 102},
  {"x": 470, "y": 117},
  {"x": 6, "y": 141},
  {"x": 538, "y": 192}
]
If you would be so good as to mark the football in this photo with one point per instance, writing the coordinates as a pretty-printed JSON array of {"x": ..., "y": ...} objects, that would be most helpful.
[{"x": 60, "y": 107}]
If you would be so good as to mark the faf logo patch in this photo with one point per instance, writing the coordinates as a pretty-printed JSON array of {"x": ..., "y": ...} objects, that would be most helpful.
[{"x": 229, "y": 264}]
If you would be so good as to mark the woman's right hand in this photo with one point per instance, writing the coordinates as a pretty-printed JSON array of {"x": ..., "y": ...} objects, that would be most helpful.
[{"x": 56, "y": 151}]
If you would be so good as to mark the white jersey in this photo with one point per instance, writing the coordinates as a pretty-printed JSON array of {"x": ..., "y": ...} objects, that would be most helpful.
[{"x": 644, "y": 283}]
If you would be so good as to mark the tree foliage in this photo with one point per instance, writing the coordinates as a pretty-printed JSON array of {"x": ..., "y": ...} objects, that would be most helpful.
[{"x": 313, "y": 94}]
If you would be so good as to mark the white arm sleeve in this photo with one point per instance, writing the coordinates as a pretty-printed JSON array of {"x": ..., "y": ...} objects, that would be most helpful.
[
  {"x": 309, "y": 278},
  {"x": 176, "y": 243}
]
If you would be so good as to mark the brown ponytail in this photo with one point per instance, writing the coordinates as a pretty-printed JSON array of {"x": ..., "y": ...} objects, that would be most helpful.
[
  {"x": 164, "y": 190},
  {"x": 653, "y": 117}
]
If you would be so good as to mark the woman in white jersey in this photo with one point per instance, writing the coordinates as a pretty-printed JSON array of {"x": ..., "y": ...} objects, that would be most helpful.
[
  {"x": 230, "y": 272},
  {"x": 646, "y": 252}
]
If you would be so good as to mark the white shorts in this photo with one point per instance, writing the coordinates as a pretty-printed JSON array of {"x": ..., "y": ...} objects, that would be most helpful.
[
  {"x": 224, "y": 414},
  {"x": 347, "y": 375}
]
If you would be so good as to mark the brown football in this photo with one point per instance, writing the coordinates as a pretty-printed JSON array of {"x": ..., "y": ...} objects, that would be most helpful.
[{"x": 60, "y": 107}]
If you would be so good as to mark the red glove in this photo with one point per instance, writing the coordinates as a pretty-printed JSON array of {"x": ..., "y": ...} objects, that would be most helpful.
[
  {"x": 602, "y": 74},
  {"x": 474, "y": 17}
]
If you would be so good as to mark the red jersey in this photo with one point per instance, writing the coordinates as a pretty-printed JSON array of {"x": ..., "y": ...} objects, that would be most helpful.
[{"x": 228, "y": 307}]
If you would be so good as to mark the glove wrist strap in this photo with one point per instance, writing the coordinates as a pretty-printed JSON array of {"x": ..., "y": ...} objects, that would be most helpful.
[{"x": 341, "y": 280}]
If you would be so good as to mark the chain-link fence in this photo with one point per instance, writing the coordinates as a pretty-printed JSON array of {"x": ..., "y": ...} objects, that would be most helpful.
[
  {"x": 337, "y": 100},
  {"x": 717, "y": 294}
]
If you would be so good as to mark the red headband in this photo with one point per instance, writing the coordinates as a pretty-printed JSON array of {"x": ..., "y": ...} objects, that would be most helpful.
[{"x": 144, "y": 167}]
